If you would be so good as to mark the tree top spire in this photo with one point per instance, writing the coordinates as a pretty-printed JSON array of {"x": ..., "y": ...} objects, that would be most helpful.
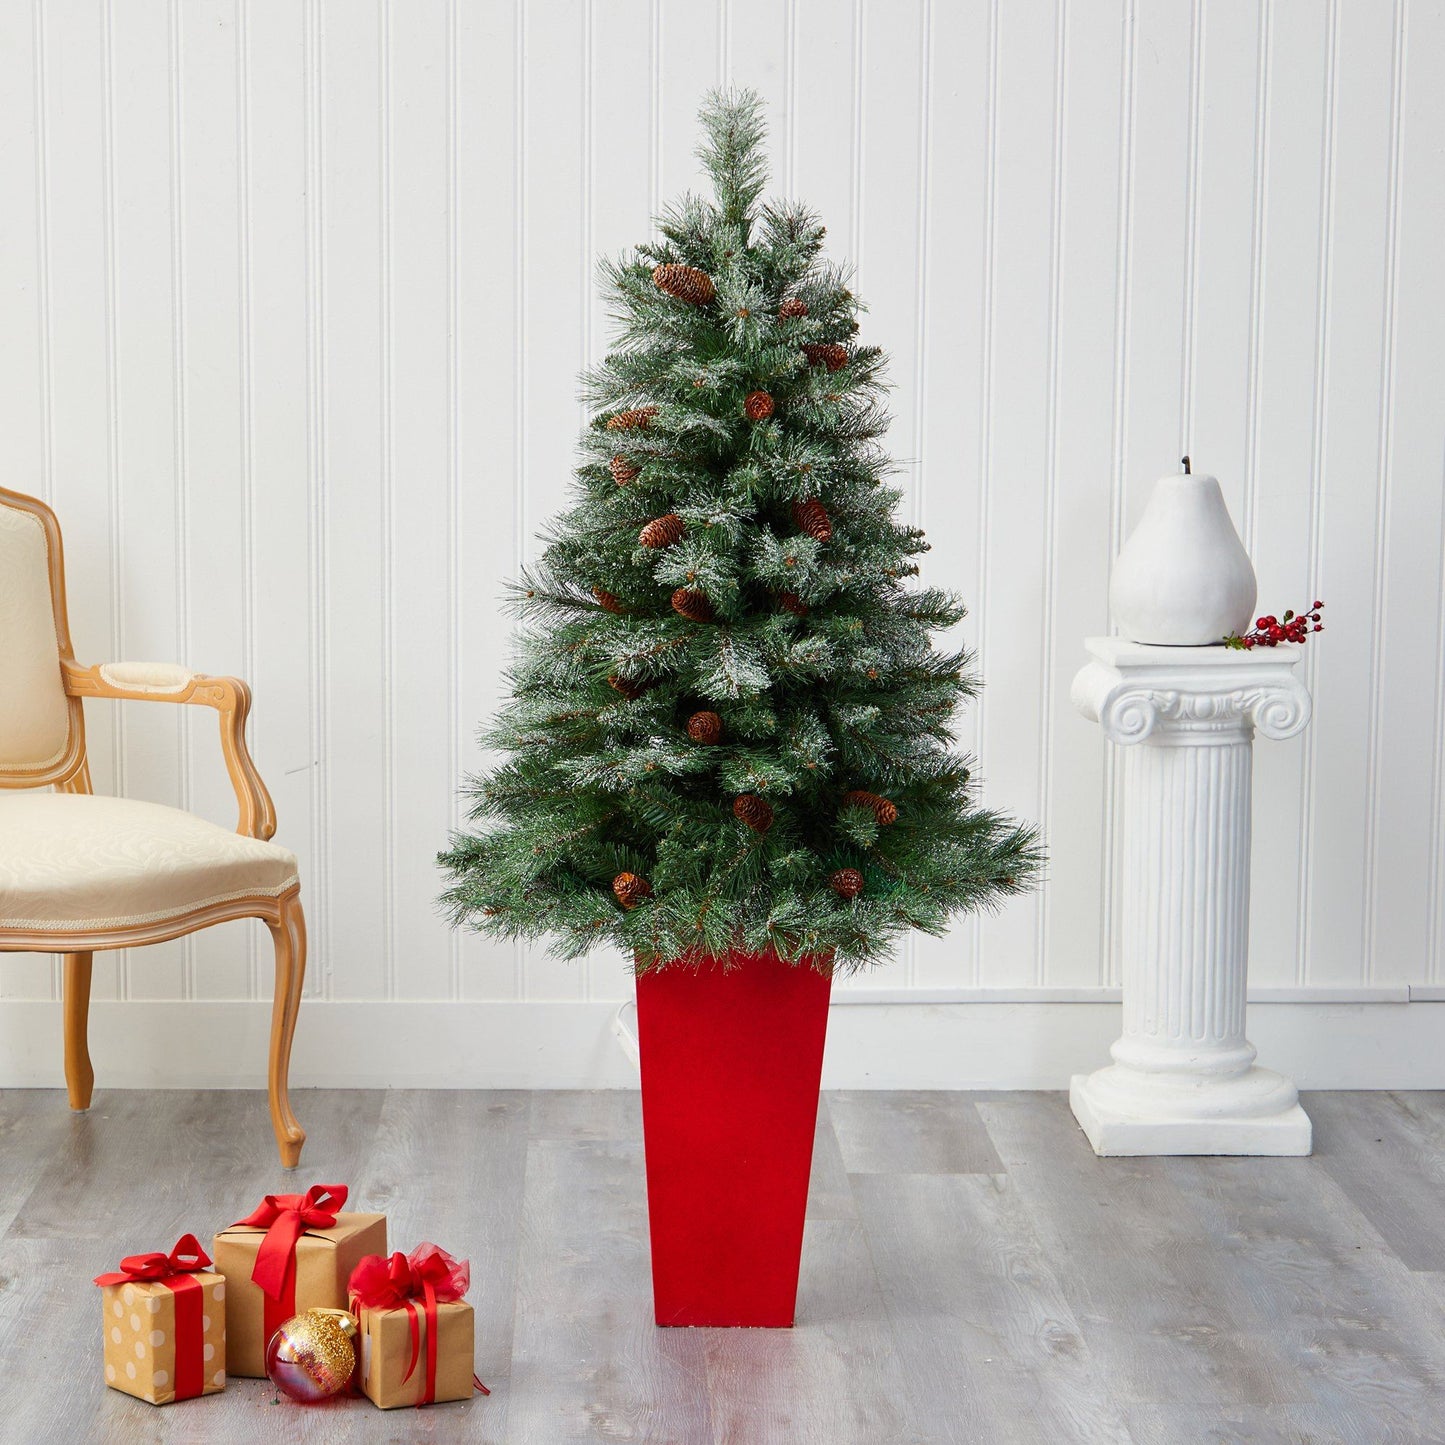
[{"x": 732, "y": 151}]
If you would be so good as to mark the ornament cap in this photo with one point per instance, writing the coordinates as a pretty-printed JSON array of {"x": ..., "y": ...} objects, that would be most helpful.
[{"x": 344, "y": 1318}]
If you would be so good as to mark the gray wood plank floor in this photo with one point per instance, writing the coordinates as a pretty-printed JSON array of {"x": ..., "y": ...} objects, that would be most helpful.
[{"x": 971, "y": 1273}]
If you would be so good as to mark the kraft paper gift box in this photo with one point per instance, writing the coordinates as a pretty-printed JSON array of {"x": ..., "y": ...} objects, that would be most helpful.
[
  {"x": 165, "y": 1325},
  {"x": 294, "y": 1252},
  {"x": 386, "y": 1354},
  {"x": 417, "y": 1335}
]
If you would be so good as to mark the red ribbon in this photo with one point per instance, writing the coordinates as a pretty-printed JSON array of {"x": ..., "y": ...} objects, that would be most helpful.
[
  {"x": 176, "y": 1271},
  {"x": 285, "y": 1218},
  {"x": 428, "y": 1274}
]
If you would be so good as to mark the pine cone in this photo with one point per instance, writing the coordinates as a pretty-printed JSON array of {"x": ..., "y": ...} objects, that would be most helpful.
[
  {"x": 606, "y": 601},
  {"x": 704, "y": 727},
  {"x": 631, "y": 690},
  {"x": 686, "y": 283},
  {"x": 791, "y": 602},
  {"x": 758, "y": 406},
  {"x": 692, "y": 605},
  {"x": 661, "y": 531},
  {"x": 882, "y": 809},
  {"x": 630, "y": 889},
  {"x": 792, "y": 308},
  {"x": 623, "y": 471},
  {"x": 756, "y": 812},
  {"x": 846, "y": 882},
  {"x": 826, "y": 353},
  {"x": 812, "y": 518},
  {"x": 635, "y": 418}
]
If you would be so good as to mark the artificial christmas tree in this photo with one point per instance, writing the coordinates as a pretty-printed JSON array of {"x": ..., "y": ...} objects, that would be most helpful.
[{"x": 726, "y": 684}]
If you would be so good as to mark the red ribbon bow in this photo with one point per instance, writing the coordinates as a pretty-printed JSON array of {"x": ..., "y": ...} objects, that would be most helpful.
[
  {"x": 186, "y": 1258},
  {"x": 428, "y": 1274},
  {"x": 175, "y": 1271},
  {"x": 285, "y": 1218}
]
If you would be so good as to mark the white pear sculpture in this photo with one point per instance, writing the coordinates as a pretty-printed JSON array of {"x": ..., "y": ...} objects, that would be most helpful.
[{"x": 1183, "y": 579}]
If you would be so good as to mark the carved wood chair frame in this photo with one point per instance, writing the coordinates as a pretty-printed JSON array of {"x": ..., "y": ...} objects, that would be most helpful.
[{"x": 231, "y": 699}]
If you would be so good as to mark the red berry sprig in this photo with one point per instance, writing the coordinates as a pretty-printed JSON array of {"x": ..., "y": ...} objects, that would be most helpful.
[{"x": 1270, "y": 631}]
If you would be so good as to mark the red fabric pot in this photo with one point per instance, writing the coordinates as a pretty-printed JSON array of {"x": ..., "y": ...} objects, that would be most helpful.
[{"x": 731, "y": 1064}]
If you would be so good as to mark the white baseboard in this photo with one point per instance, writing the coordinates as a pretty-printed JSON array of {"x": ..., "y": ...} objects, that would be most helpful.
[{"x": 542, "y": 1044}]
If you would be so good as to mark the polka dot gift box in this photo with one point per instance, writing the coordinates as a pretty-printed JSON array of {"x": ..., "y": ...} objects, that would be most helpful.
[{"x": 165, "y": 1325}]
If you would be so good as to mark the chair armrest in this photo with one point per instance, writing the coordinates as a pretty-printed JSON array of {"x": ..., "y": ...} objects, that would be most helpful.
[{"x": 166, "y": 682}]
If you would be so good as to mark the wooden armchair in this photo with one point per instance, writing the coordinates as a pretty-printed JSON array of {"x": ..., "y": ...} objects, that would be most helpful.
[{"x": 79, "y": 872}]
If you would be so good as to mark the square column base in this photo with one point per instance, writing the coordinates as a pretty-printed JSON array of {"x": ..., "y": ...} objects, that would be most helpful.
[{"x": 1114, "y": 1133}]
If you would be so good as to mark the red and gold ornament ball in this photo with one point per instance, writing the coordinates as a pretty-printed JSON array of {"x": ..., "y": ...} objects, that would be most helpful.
[{"x": 312, "y": 1356}]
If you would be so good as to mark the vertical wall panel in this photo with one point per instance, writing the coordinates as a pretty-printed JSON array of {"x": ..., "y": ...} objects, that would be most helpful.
[
  {"x": 758, "y": 55},
  {"x": 1350, "y": 494},
  {"x": 356, "y": 585},
  {"x": 1406, "y": 811},
  {"x": 690, "y": 63},
  {"x": 294, "y": 297},
  {"x": 824, "y": 139},
  {"x": 277, "y": 296},
  {"x": 151, "y": 549},
  {"x": 1158, "y": 248},
  {"x": 1405, "y": 816},
  {"x": 1010, "y": 622},
  {"x": 489, "y": 273},
  {"x": 1220, "y": 247},
  {"x": 555, "y": 304},
  {"x": 418, "y": 493},
  {"x": 215, "y": 532},
  {"x": 79, "y": 322},
  {"x": 1080, "y": 541},
  {"x": 1284, "y": 407},
  {"x": 951, "y": 443}
]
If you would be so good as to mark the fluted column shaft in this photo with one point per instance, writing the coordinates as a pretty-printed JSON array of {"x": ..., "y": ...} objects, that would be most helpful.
[{"x": 1184, "y": 926}]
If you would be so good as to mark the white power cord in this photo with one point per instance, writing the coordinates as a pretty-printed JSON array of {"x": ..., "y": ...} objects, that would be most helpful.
[{"x": 625, "y": 1031}]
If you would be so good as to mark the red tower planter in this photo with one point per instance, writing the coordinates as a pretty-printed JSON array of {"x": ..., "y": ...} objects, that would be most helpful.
[{"x": 731, "y": 1064}]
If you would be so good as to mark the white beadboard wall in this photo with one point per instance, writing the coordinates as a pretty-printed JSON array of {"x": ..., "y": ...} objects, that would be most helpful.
[{"x": 292, "y": 301}]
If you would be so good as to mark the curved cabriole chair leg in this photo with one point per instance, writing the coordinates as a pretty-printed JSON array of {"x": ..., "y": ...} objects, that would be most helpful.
[
  {"x": 289, "y": 935},
  {"x": 75, "y": 1008}
]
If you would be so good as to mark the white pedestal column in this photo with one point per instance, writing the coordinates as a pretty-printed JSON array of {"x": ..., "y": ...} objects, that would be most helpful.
[{"x": 1184, "y": 1080}]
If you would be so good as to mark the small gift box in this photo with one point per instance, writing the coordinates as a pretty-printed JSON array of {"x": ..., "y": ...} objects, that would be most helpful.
[
  {"x": 293, "y": 1252},
  {"x": 165, "y": 1325},
  {"x": 416, "y": 1329}
]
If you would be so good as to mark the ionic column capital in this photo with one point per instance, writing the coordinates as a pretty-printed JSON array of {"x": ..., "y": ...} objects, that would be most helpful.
[{"x": 1185, "y": 696}]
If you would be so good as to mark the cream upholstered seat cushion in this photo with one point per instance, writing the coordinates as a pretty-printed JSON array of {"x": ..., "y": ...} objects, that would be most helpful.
[{"x": 70, "y": 860}]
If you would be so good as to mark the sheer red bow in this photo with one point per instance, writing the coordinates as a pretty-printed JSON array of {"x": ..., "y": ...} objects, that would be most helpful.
[{"x": 428, "y": 1274}]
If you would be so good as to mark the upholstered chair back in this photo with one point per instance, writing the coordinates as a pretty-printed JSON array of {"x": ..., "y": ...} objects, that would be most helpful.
[{"x": 35, "y": 719}]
